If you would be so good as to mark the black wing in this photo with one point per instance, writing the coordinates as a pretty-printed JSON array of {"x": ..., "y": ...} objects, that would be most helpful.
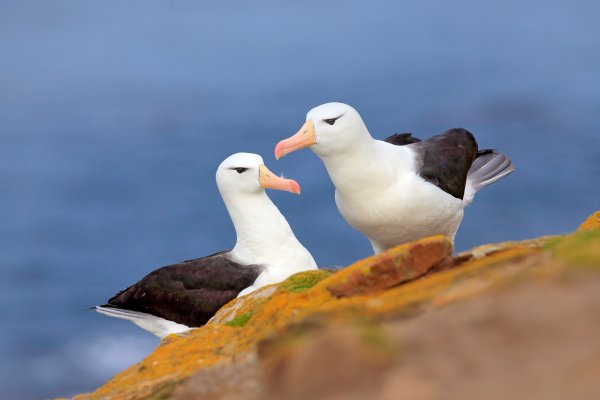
[
  {"x": 190, "y": 292},
  {"x": 401, "y": 139},
  {"x": 445, "y": 159}
]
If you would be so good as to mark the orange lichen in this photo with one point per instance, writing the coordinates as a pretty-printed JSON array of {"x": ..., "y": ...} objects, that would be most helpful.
[{"x": 591, "y": 223}]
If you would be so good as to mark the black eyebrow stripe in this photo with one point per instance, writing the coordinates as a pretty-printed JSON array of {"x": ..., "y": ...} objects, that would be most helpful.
[{"x": 336, "y": 118}]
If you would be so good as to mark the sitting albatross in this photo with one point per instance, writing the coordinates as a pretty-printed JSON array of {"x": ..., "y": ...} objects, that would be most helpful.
[
  {"x": 181, "y": 296},
  {"x": 402, "y": 188}
]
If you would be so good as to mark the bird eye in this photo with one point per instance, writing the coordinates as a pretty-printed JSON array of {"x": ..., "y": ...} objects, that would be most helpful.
[
  {"x": 330, "y": 121},
  {"x": 240, "y": 170}
]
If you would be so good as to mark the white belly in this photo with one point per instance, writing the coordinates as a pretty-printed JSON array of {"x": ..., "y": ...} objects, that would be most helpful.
[{"x": 408, "y": 210}]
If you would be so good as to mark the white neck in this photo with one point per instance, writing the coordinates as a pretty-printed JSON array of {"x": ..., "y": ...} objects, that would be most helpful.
[
  {"x": 368, "y": 163},
  {"x": 263, "y": 235}
]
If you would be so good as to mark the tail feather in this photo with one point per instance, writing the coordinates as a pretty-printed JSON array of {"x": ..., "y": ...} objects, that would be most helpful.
[
  {"x": 153, "y": 324},
  {"x": 487, "y": 168}
]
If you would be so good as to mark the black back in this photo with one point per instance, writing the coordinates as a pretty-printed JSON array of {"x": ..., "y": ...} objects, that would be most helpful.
[
  {"x": 190, "y": 292},
  {"x": 400, "y": 139},
  {"x": 444, "y": 159}
]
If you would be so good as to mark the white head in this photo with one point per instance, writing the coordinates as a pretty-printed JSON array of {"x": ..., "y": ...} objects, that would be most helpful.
[
  {"x": 263, "y": 235},
  {"x": 329, "y": 128},
  {"x": 245, "y": 173}
]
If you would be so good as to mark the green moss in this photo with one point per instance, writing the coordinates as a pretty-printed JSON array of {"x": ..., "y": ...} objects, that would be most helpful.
[
  {"x": 304, "y": 280},
  {"x": 576, "y": 250},
  {"x": 241, "y": 319},
  {"x": 552, "y": 244}
]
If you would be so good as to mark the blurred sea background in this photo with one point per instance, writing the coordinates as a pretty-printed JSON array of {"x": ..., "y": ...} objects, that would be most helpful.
[{"x": 115, "y": 115}]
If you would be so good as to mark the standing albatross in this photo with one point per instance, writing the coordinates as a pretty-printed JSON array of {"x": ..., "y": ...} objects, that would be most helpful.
[
  {"x": 181, "y": 296},
  {"x": 402, "y": 188}
]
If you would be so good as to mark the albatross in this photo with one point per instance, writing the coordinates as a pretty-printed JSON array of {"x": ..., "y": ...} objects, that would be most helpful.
[
  {"x": 401, "y": 188},
  {"x": 181, "y": 296}
]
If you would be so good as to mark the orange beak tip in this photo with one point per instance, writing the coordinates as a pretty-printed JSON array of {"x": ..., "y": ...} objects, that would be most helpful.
[
  {"x": 295, "y": 187},
  {"x": 279, "y": 150}
]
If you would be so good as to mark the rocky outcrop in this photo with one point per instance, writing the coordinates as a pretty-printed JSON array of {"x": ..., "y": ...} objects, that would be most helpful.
[{"x": 508, "y": 320}]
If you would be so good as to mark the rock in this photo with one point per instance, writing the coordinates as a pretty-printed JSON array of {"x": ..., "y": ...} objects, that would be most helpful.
[
  {"x": 351, "y": 356},
  {"x": 515, "y": 342},
  {"x": 392, "y": 267},
  {"x": 509, "y": 320},
  {"x": 518, "y": 342},
  {"x": 238, "y": 379},
  {"x": 495, "y": 248}
]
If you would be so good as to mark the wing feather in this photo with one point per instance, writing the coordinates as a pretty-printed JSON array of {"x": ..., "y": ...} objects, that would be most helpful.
[{"x": 190, "y": 292}]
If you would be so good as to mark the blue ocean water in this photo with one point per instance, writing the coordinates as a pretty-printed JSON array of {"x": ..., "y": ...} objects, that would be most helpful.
[{"x": 115, "y": 115}]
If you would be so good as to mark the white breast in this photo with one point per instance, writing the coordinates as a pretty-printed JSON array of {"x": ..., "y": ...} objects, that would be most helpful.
[{"x": 397, "y": 205}]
